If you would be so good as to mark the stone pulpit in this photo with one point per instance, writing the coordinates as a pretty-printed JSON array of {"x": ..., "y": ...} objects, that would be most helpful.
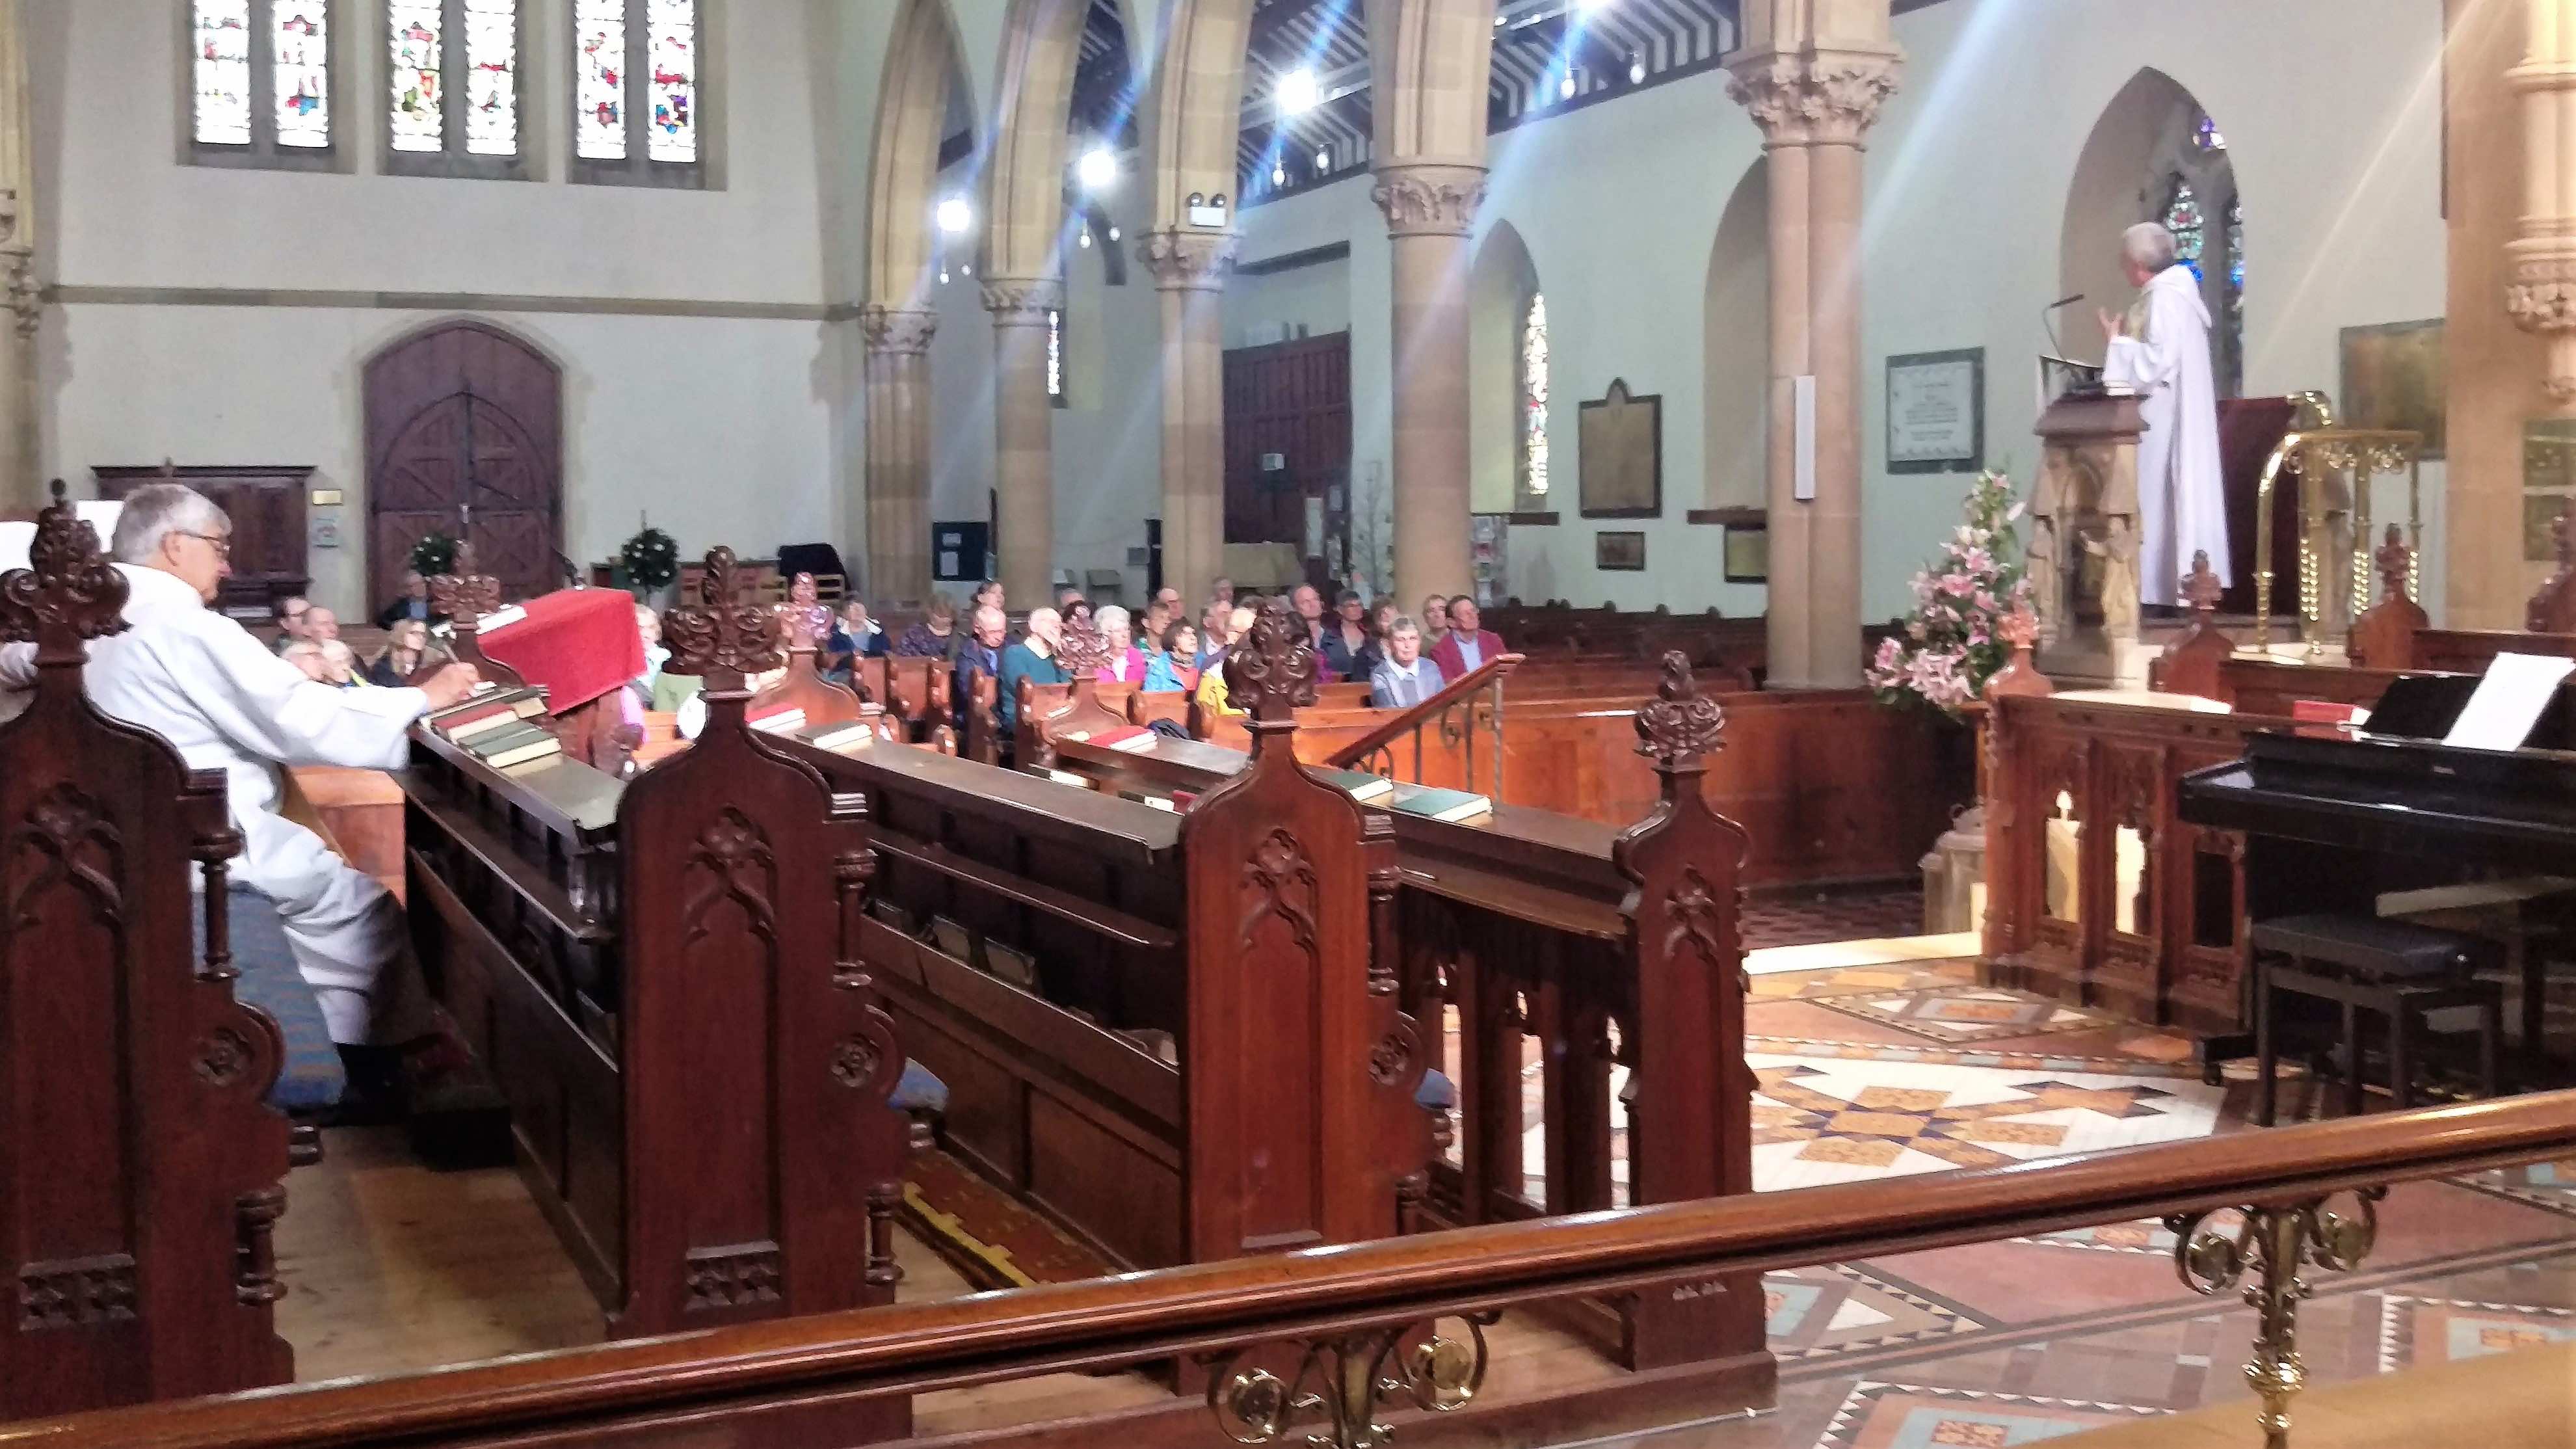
[{"x": 2084, "y": 542}]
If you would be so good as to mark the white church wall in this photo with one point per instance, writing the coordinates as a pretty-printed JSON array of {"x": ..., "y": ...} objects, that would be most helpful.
[
  {"x": 699, "y": 384},
  {"x": 1620, "y": 204},
  {"x": 1273, "y": 306},
  {"x": 1109, "y": 435}
]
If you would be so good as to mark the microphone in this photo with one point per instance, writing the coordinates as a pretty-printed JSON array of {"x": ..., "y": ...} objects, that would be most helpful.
[{"x": 2048, "y": 319}]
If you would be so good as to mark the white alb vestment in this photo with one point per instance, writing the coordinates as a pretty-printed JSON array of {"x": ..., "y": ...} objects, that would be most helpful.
[
  {"x": 2182, "y": 490},
  {"x": 198, "y": 680}
]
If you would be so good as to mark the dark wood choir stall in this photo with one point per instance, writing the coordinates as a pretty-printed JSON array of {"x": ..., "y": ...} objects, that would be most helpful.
[
  {"x": 1179, "y": 1038},
  {"x": 141, "y": 1164},
  {"x": 659, "y": 974},
  {"x": 1613, "y": 948}
]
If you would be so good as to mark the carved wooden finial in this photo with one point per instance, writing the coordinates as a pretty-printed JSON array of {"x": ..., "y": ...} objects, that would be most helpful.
[
  {"x": 462, "y": 594},
  {"x": 2396, "y": 566},
  {"x": 1679, "y": 724},
  {"x": 2200, "y": 587},
  {"x": 71, "y": 592},
  {"x": 1081, "y": 650},
  {"x": 720, "y": 638},
  {"x": 1271, "y": 670},
  {"x": 2020, "y": 629}
]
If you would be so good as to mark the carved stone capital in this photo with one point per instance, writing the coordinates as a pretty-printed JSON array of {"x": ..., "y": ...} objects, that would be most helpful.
[
  {"x": 1183, "y": 259},
  {"x": 26, "y": 294},
  {"x": 1022, "y": 301},
  {"x": 897, "y": 331},
  {"x": 1429, "y": 199},
  {"x": 1814, "y": 97},
  {"x": 2541, "y": 299}
]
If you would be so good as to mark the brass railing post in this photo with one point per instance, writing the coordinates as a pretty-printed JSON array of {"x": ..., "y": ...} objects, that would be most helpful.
[{"x": 2274, "y": 1242}]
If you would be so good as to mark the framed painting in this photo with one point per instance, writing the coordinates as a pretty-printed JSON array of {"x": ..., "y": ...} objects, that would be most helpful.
[
  {"x": 1620, "y": 454},
  {"x": 1622, "y": 552},
  {"x": 2395, "y": 375}
]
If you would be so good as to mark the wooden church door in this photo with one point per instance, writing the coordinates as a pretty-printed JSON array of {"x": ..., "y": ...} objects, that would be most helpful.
[{"x": 465, "y": 437}]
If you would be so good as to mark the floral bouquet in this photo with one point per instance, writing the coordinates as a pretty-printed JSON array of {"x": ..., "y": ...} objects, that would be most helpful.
[{"x": 1952, "y": 642}]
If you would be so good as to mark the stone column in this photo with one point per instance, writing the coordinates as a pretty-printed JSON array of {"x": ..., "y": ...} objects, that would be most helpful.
[
  {"x": 898, "y": 471},
  {"x": 1190, "y": 268},
  {"x": 1429, "y": 209},
  {"x": 1814, "y": 102},
  {"x": 2542, "y": 295},
  {"x": 21, "y": 458},
  {"x": 1023, "y": 430}
]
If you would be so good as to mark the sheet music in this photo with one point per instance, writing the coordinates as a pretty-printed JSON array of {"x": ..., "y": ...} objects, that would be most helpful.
[{"x": 2508, "y": 702}]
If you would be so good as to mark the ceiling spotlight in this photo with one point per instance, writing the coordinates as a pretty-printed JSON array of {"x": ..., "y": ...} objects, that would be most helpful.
[
  {"x": 1278, "y": 174},
  {"x": 1636, "y": 70},
  {"x": 1323, "y": 158},
  {"x": 1098, "y": 169},
  {"x": 1297, "y": 93},
  {"x": 955, "y": 216},
  {"x": 1565, "y": 88},
  {"x": 965, "y": 269},
  {"x": 943, "y": 276},
  {"x": 1113, "y": 233},
  {"x": 1086, "y": 238}
]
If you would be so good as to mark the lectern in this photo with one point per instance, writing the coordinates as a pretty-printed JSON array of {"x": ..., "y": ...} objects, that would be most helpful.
[{"x": 2084, "y": 540}]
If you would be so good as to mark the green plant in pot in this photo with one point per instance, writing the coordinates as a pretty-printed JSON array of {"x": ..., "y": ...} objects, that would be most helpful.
[
  {"x": 650, "y": 561},
  {"x": 433, "y": 555}
]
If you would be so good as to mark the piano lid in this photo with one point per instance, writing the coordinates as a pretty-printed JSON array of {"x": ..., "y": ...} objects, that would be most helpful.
[{"x": 2425, "y": 706}]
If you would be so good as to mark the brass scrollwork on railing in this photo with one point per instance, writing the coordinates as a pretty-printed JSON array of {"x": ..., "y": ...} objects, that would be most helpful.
[
  {"x": 2274, "y": 1243},
  {"x": 1332, "y": 1399}
]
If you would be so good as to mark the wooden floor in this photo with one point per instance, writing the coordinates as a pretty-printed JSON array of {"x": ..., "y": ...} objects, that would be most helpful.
[{"x": 392, "y": 1268}]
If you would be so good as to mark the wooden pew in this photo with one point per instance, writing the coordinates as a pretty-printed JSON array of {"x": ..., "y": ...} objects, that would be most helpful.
[
  {"x": 140, "y": 1164},
  {"x": 1609, "y": 946},
  {"x": 654, "y": 974},
  {"x": 1108, "y": 929},
  {"x": 915, "y": 691}
]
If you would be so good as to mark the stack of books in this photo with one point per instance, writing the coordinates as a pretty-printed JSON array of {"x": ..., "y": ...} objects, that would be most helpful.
[
  {"x": 1366, "y": 789},
  {"x": 501, "y": 727},
  {"x": 780, "y": 721},
  {"x": 1125, "y": 739},
  {"x": 489, "y": 707},
  {"x": 847, "y": 737},
  {"x": 1453, "y": 806}
]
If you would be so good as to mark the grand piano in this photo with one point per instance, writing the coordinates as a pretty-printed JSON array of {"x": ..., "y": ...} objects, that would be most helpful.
[{"x": 2339, "y": 821}]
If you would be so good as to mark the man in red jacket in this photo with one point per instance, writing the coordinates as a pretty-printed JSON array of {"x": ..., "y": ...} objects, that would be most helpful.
[{"x": 1466, "y": 647}]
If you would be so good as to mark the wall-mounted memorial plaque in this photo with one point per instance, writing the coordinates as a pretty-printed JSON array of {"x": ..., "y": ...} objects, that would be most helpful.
[
  {"x": 1621, "y": 462},
  {"x": 2395, "y": 377},
  {"x": 1936, "y": 412}
]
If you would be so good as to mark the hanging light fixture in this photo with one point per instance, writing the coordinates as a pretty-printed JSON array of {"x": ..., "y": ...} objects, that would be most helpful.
[
  {"x": 955, "y": 217},
  {"x": 1098, "y": 168},
  {"x": 1297, "y": 92}
]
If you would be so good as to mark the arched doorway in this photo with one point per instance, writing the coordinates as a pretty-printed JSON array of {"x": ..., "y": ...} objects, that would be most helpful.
[{"x": 465, "y": 437}]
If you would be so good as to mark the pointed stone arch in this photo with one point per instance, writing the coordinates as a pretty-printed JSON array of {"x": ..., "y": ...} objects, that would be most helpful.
[
  {"x": 1500, "y": 284},
  {"x": 924, "y": 73},
  {"x": 1736, "y": 360},
  {"x": 2139, "y": 148}
]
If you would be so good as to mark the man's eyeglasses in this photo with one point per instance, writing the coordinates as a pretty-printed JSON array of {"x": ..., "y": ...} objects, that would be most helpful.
[{"x": 221, "y": 543}]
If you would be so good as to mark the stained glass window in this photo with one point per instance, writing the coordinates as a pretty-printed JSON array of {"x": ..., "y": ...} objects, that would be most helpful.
[
  {"x": 2182, "y": 217},
  {"x": 222, "y": 63},
  {"x": 674, "y": 117},
  {"x": 599, "y": 87},
  {"x": 1533, "y": 399},
  {"x": 492, "y": 77},
  {"x": 1055, "y": 356},
  {"x": 300, "y": 64},
  {"x": 416, "y": 29}
]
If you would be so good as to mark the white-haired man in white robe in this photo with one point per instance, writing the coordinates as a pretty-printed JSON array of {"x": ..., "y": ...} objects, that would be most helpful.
[
  {"x": 2160, "y": 351},
  {"x": 197, "y": 679}
]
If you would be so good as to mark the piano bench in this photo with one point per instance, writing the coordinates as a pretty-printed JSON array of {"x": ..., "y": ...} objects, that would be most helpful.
[{"x": 2403, "y": 972}]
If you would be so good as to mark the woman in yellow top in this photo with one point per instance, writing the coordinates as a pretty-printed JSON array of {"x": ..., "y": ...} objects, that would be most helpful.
[{"x": 1211, "y": 695}]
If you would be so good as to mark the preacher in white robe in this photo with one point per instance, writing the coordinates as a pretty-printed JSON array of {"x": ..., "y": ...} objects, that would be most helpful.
[
  {"x": 224, "y": 701},
  {"x": 2161, "y": 352}
]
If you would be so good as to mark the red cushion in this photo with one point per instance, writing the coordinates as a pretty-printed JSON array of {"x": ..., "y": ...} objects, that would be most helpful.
[{"x": 577, "y": 643}]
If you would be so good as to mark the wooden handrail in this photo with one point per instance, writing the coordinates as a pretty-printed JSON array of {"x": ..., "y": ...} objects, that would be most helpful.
[
  {"x": 1100, "y": 1323},
  {"x": 1387, "y": 733}
]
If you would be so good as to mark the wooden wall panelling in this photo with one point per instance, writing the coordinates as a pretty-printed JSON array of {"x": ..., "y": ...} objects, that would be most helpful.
[{"x": 266, "y": 505}]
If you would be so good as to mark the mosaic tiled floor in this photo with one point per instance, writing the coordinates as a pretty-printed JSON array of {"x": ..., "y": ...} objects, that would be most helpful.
[
  {"x": 1910, "y": 1066},
  {"x": 1844, "y": 916}
]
